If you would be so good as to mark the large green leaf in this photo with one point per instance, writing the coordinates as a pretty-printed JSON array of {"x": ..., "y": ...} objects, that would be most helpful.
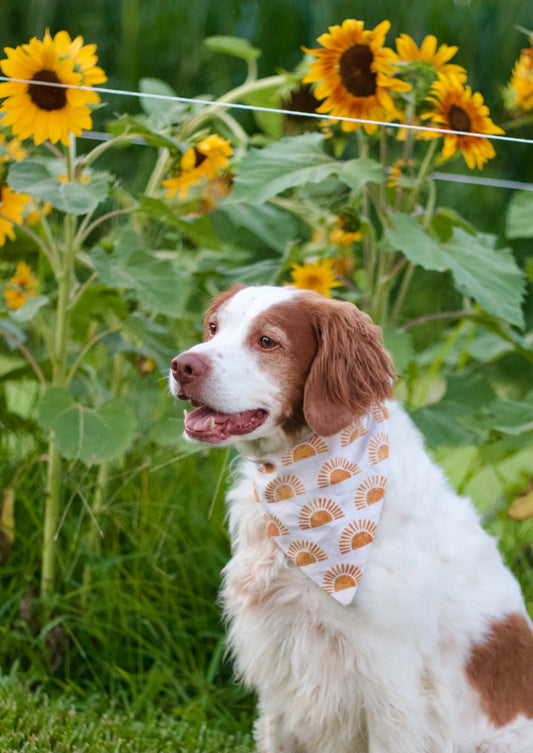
[
  {"x": 84, "y": 434},
  {"x": 293, "y": 161},
  {"x": 357, "y": 172},
  {"x": 157, "y": 284},
  {"x": 236, "y": 46},
  {"x": 520, "y": 215},
  {"x": 36, "y": 179},
  {"x": 162, "y": 111},
  {"x": 273, "y": 226},
  {"x": 198, "y": 229},
  {"x": 491, "y": 277},
  {"x": 28, "y": 310},
  {"x": 446, "y": 423}
]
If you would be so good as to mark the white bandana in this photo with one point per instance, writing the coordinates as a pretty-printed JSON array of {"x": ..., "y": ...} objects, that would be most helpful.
[{"x": 322, "y": 503}]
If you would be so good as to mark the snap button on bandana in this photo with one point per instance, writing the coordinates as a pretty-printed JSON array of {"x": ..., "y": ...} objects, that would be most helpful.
[{"x": 322, "y": 503}]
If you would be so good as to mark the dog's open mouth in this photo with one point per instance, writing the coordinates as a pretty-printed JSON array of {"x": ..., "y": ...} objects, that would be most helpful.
[{"x": 208, "y": 425}]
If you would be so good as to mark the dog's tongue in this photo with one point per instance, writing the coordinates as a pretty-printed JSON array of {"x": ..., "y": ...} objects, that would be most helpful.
[{"x": 206, "y": 425}]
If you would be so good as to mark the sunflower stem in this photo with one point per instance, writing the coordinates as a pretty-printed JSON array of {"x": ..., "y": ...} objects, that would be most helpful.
[
  {"x": 156, "y": 177},
  {"x": 240, "y": 92},
  {"x": 64, "y": 277}
]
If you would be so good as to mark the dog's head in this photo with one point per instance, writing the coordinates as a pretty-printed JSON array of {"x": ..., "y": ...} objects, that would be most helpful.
[{"x": 278, "y": 359}]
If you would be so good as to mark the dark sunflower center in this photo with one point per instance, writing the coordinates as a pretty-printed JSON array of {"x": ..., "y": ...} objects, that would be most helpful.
[
  {"x": 356, "y": 73},
  {"x": 47, "y": 97},
  {"x": 199, "y": 158},
  {"x": 459, "y": 119}
]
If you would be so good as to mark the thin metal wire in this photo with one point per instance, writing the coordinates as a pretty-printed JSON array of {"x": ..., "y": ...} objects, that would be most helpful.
[
  {"x": 450, "y": 177},
  {"x": 279, "y": 111}
]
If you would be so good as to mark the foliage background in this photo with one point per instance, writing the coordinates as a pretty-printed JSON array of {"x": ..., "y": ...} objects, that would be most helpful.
[{"x": 150, "y": 630}]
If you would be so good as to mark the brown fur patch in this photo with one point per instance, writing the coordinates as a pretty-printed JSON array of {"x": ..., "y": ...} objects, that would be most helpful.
[
  {"x": 216, "y": 303},
  {"x": 289, "y": 324},
  {"x": 501, "y": 670},
  {"x": 351, "y": 370}
]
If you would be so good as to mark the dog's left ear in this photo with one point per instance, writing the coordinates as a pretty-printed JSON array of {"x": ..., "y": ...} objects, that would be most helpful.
[{"x": 351, "y": 369}]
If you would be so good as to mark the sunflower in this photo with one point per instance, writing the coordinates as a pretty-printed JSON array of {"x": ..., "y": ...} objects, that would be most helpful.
[
  {"x": 345, "y": 232},
  {"x": 398, "y": 170},
  {"x": 11, "y": 149},
  {"x": 457, "y": 109},
  {"x": 49, "y": 112},
  {"x": 11, "y": 205},
  {"x": 23, "y": 286},
  {"x": 206, "y": 159},
  {"x": 356, "y": 74},
  {"x": 317, "y": 275},
  {"x": 520, "y": 86},
  {"x": 429, "y": 57}
]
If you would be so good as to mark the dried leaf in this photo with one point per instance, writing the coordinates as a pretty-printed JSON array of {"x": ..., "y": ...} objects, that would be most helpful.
[{"x": 522, "y": 507}]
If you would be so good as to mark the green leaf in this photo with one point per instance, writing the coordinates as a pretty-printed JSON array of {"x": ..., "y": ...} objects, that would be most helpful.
[
  {"x": 507, "y": 416},
  {"x": 135, "y": 127},
  {"x": 28, "y": 310},
  {"x": 357, "y": 172},
  {"x": 198, "y": 229},
  {"x": 400, "y": 346},
  {"x": 275, "y": 227},
  {"x": 157, "y": 284},
  {"x": 520, "y": 215},
  {"x": 491, "y": 277},
  {"x": 36, "y": 179},
  {"x": 290, "y": 162},
  {"x": 88, "y": 435},
  {"x": 446, "y": 422},
  {"x": 163, "y": 111},
  {"x": 240, "y": 48}
]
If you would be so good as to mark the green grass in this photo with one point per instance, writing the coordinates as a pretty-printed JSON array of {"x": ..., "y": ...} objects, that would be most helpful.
[{"x": 34, "y": 721}]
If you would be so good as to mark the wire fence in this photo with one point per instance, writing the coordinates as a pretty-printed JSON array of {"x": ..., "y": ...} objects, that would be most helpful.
[{"x": 222, "y": 104}]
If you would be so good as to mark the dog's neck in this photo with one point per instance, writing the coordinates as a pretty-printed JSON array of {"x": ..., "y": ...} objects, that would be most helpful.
[{"x": 265, "y": 449}]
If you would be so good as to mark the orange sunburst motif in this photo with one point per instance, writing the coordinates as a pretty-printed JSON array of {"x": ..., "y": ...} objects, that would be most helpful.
[
  {"x": 357, "y": 534},
  {"x": 306, "y": 553},
  {"x": 353, "y": 432},
  {"x": 312, "y": 446},
  {"x": 341, "y": 577},
  {"x": 318, "y": 512},
  {"x": 266, "y": 468},
  {"x": 378, "y": 448},
  {"x": 335, "y": 471},
  {"x": 380, "y": 412},
  {"x": 372, "y": 490},
  {"x": 274, "y": 526},
  {"x": 283, "y": 487}
]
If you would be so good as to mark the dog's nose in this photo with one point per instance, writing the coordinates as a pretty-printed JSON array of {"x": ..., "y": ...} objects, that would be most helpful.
[{"x": 188, "y": 367}]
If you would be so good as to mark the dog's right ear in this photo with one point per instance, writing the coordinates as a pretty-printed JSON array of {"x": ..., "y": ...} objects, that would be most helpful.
[{"x": 350, "y": 371}]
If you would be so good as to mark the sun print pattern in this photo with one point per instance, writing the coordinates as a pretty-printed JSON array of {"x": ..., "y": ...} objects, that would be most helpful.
[
  {"x": 341, "y": 577},
  {"x": 353, "y": 432},
  {"x": 284, "y": 487},
  {"x": 306, "y": 553},
  {"x": 335, "y": 471},
  {"x": 275, "y": 527},
  {"x": 318, "y": 513},
  {"x": 312, "y": 446},
  {"x": 321, "y": 502},
  {"x": 378, "y": 448},
  {"x": 372, "y": 490},
  {"x": 357, "y": 534}
]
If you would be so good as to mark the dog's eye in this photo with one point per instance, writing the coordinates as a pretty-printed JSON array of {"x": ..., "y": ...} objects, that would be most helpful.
[
  {"x": 267, "y": 343},
  {"x": 212, "y": 328}
]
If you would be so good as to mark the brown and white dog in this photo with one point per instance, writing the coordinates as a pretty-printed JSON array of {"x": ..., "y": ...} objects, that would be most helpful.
[{"x": 435, "y": 654}]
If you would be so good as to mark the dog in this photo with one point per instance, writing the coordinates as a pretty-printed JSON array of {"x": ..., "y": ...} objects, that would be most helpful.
[{"x": 422, "y": 645}]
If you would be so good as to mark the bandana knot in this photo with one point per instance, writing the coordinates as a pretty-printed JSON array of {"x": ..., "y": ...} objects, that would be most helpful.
[{"x": 322, "y": 500}]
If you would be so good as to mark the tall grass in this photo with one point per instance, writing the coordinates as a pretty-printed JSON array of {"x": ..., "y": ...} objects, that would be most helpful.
[{"x": 147, "y": 628}]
